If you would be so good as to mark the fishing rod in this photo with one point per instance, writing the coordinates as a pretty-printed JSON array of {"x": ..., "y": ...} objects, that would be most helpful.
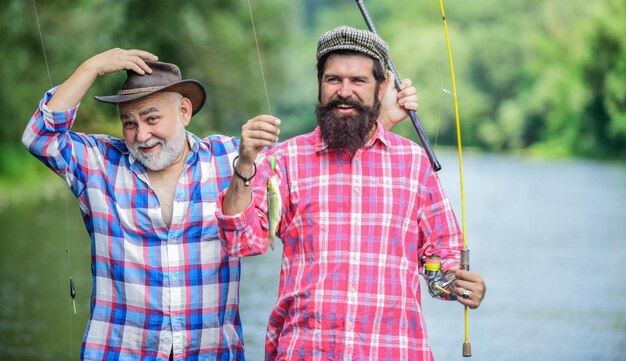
[
  {"x": 465, "y": 252},
  {"x": 437, "y": 280},
  {"x": 414, "y": 119}
]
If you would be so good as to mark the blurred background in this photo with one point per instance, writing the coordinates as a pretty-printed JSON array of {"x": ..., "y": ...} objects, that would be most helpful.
[{"x": 542, "y": 97}]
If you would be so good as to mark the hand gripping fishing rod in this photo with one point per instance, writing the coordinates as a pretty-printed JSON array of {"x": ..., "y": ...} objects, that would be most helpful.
[{"x": 415, "y": 120}]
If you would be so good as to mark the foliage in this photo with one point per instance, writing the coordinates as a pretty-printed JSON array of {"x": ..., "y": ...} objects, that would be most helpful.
[
  {"x": 581, "y": 97},
  {"x": 543, "y": 75}
]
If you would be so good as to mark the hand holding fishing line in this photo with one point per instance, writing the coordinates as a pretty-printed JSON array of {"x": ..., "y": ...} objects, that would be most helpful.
[{"x": 257, "y": 134}]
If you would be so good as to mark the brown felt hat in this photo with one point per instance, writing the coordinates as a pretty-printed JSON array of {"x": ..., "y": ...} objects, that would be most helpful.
[
  {"x": 348, "y": 38},
  {"x": 164, "y": 77}
]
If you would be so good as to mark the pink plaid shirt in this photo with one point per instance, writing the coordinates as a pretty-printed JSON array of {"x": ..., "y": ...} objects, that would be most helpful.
[{"x": 353, "y": 229}]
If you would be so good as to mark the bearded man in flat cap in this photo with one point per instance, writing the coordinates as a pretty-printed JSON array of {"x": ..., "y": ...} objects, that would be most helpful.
[
  {"x": 163, "y": 289},
  {"x": 361, "y": 207}
]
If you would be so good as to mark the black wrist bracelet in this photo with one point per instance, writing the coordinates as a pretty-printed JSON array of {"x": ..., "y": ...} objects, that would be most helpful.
[{"x": 246, "y": 181}]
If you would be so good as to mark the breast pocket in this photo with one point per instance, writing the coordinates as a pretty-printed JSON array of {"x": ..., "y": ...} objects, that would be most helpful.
[
  {"x": 304, "y": 221},
  {"x": 202, "y": 219},
  {"x": 204, "y": 237},
  {"x": 389, "y": 198}
]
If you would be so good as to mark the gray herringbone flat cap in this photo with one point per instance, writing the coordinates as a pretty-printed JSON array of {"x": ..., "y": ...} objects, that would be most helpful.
[{"x": 348, "y": 38}]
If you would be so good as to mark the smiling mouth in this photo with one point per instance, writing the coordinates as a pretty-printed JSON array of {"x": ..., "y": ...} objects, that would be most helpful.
[
  {"x": 149, "y": 148},
  {"x": 344, "y": 107}
]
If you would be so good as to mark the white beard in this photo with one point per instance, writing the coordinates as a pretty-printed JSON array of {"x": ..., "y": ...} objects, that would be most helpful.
[{"x": 170, "y": 149}]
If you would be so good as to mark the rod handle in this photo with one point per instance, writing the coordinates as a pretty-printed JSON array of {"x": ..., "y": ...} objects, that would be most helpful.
[{"x": 467, "y": 349}]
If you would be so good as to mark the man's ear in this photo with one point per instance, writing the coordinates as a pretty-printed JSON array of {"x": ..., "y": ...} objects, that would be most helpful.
[
  {"x": 186, "y": 110},
  {"x": 319, "y": 91},
  {"x": 383, "y": 87}
]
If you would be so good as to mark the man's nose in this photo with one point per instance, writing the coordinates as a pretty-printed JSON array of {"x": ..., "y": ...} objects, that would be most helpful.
[
  {"x": 143, "y": 133},
  {"x": 345, "y": 90}
]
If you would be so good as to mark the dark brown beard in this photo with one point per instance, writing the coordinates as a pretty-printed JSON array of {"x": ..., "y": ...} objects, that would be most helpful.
[{"x": 347, "y": 132}]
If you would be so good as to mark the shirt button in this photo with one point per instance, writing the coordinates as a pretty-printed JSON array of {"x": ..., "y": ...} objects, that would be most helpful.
[
  {"x": 357, "y": 189},
  {"x": 173, "y": 277}
]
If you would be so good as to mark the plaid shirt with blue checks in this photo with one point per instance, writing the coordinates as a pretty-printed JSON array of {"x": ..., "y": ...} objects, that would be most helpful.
[{"x": 155, "y": 288}]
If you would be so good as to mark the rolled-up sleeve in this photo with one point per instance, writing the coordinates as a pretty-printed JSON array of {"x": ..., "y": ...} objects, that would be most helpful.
[
  {"x": 48, "y": 137},
  {"x": 438, "y": 224},
  {"x": 246, "y": 233}
]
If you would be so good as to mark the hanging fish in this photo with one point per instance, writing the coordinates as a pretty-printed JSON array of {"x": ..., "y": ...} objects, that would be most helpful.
[{"x": 274, "y": 202}]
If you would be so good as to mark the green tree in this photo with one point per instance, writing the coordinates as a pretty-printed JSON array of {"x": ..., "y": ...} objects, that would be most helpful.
[
  {"x": 582, "y": 93},
  {"x": 546, "y": 75}
]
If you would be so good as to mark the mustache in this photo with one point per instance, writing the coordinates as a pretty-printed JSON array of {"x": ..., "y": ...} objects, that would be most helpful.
[
  {"x": 149, "y": 143},
  {"x": 339, "y": 100}
]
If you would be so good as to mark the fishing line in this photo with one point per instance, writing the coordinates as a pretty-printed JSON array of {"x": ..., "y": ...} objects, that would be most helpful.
[
  {"x": 258, "y": 51},
  {"x": 42, "y": 44},
  {"x": 440, "y": 72},
  {"x": 67, "y": 224}
]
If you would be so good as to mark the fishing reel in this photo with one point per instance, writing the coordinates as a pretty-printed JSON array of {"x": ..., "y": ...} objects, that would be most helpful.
[{"x": 438, "y": 281}]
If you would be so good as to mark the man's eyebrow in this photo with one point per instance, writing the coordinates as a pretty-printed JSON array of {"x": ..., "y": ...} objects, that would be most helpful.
[
  {"x": 148, "y": 111},
  {"x": 353, "y": 78},
  {"x": 126, "y": 115},
  {"x": 360, "y": 78}
]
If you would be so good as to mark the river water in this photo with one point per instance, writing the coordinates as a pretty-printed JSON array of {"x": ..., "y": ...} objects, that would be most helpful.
[{"x": 549, "y": 237}]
